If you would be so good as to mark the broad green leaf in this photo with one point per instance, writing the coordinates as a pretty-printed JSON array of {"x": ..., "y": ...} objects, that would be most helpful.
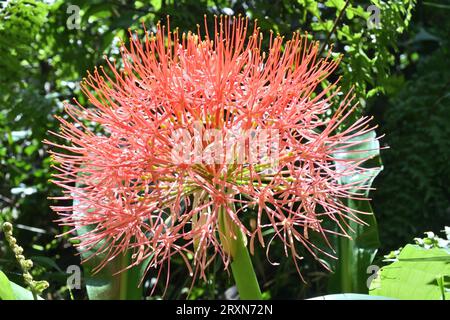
[
  {"x": 111, "y": 283},
  {"x": 20, "y": 293},
  {"x": 418, "y": 274},
  {"x": 6, "y": 292},
  {"x": 108, "y": 284},
  {"x": 350, "y": 296},
  {"x": 354, "y": 256}
]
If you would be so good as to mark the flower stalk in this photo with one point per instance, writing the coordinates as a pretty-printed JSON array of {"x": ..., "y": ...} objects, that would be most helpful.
[
  {"x": 243, "y": 272},
  {"x": 234, "y": 243}
]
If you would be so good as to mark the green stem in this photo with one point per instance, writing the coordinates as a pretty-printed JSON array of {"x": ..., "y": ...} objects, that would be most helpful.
[
  {"x": 233, "y": 243},
  {"x": 129, "y": 280},
  {"x": 123, "y": 290},
  {"x": 346, "y": 275},
  {"x": 243, "y": 272}
]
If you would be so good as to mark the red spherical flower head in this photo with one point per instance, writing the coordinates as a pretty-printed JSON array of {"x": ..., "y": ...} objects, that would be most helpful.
[{"x": 195, "y": 136}]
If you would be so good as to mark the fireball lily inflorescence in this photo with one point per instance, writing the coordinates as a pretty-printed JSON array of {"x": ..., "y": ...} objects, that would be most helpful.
[{"x": 194, "y": 135}]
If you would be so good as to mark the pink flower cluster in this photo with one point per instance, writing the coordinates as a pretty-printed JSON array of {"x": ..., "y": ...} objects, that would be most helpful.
[{"x": 117, "y": 164}]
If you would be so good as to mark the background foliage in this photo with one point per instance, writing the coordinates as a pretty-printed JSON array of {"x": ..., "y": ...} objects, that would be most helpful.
[
  {"x": 399, "y": 71},
  {"x": 419, "y": 271}
]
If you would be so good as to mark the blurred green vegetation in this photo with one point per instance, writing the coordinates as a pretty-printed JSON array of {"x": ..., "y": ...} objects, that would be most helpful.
[
  {"x": 399, "y": 72},
  {"x": 413, "y": 191}
]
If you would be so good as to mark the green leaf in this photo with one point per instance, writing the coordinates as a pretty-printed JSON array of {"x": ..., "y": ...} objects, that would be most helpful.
[
  {"x": 349, "y": 296},
  {"x": 354, "y": 256},
  {"x": 100, "y": 10},
  {"x": 313, "y": 8},
  {"x": 338, "y": 4},
  {"x": 327, "y": 26},
  {"x": 111, "y": 283},
  {"x": 108, "y": 284},
  {"x": 6, "y": 292},
  {"x": 45, "y": 261},
  {"x": 418, "y": 273},
  {"x": 21, "y": 293},
  {"x": 349, "y": 13}
]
